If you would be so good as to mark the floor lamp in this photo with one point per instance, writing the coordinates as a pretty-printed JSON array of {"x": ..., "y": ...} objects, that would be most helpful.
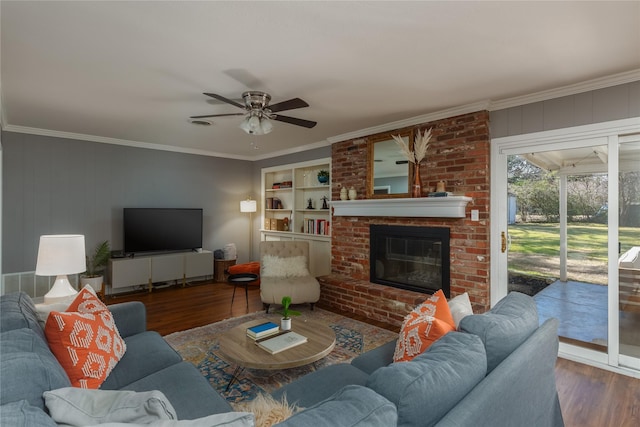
[{"x": 249, "y": 206}]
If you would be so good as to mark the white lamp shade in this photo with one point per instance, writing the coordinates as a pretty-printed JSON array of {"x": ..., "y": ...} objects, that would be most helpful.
[
  {"x": 266, "y": 125},
  {"x": 61, "y": 254},
  {"x": 254, "y": 124},
  {"x": 248, "y": 206},
  {"x": 245, "y": 125}
]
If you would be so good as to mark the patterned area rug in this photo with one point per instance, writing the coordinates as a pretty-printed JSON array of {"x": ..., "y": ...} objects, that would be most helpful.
[{"x": 199, "y": 347}]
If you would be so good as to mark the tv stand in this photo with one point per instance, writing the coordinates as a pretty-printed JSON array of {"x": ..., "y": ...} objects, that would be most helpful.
[{"x": 149, "y": 269}]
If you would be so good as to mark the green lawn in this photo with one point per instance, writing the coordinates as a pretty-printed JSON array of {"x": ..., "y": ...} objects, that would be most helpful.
[
  {"x": 587, "y": 239},
  {"x": 535, "y": 249}
]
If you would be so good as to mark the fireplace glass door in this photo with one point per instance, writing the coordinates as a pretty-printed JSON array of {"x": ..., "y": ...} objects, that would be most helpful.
[{"x": 413, "y": 258}]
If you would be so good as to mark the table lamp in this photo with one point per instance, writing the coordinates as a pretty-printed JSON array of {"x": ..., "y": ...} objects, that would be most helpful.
[
  {"x": 59, "y": 255},
  {"x": 249, "y": 206}
]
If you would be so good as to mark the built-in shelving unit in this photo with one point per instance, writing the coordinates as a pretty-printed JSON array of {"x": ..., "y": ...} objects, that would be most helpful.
[{"x": 302, "y": 223}]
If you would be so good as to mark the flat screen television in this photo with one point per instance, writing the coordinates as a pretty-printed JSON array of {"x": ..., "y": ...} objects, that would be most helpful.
[{"x": 161, "y": 230}]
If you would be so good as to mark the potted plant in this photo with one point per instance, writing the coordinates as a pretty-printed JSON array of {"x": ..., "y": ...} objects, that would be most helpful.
[
  {"x": 323, "y": 176},
  {"x": 96, "y": 264},
  {"x": 285, "y": 322}
]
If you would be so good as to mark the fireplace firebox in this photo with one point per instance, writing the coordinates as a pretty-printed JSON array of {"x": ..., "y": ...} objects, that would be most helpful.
[{"x": 413, "y": 258}]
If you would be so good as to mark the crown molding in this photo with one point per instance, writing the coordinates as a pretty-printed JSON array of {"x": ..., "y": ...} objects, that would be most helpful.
[
  {"x": 574, "y": 89},
  {"x": 115, "y": 141},
  {"x": 412, "y": 121},
  {"x": 293, "y": 150}
]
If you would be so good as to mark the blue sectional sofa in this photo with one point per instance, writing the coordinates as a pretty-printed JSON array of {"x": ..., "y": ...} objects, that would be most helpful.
[
  {"x": 497, "y": 370},
  {"x": 28, "y": 368}
]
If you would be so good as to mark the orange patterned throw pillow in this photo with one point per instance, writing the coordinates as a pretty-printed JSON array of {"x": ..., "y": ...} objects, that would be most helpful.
[
  {"x": 423, "y": 326},
  {"x": 85, "y": 340}
]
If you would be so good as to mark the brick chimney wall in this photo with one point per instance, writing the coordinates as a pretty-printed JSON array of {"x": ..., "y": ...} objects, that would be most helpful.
[{"x": 458, "y": 155}]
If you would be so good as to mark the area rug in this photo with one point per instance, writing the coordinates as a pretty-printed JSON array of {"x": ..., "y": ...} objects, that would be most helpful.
[{"x": 199, "y": 347}]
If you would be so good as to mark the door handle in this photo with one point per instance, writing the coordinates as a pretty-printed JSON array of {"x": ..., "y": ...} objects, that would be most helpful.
[{"x": 503, "y": 238}]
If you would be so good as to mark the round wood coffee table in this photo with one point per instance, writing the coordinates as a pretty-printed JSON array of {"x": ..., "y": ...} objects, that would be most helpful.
[{"x": 237, "y": 348}]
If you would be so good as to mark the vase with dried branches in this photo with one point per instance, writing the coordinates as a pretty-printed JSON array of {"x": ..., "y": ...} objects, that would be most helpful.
[{"x": 415, "y": 157}]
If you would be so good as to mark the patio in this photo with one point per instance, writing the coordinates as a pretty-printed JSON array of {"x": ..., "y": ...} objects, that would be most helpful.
[{"x": 581, "y": 309}]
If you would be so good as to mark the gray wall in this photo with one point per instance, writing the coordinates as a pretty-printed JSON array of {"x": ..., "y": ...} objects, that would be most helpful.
[
  {"x": 53, "y": 185},
  {"x": 602, "y": 105}
]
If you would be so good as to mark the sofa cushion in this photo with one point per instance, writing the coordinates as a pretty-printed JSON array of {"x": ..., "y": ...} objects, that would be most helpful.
[
  {"x": 22, "y": 414},
  {"x": 423, "y": 326},
  {"x": 507, "y": 325},
  {"x": 376, "y": 358},
  {"x": 320, "y": 385},
  {"x": 75, "y": 406},
  {"x": 427, "y": 387},
  {"x": 351, "y": 406},
  {"x": 146, "y": 353},
  {"x": 25, "y": 356},
  {"x": 17, "y": 311},
  {"x": 86, "y": 342},
  {"x": 186, "y": 388}
]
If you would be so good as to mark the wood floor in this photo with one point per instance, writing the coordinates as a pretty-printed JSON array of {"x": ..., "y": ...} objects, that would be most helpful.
[{"x": 589, "y": 397}]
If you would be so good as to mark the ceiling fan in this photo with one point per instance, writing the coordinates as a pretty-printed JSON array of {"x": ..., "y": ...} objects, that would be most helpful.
[{"x": 258, "y": 113}]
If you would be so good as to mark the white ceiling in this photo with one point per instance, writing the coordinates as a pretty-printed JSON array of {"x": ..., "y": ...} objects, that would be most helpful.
[{"x": 133, "y": 72}]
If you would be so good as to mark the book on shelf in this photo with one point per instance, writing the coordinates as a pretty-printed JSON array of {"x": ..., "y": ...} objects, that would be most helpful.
[
  {"x": 262, "y": 330},
  {"x": 281, "y": 342},
  {"x": 317, "y": 226}
]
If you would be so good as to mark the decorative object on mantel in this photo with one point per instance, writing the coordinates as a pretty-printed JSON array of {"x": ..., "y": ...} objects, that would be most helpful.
[
  {"x": 416, "y": 156},
  {"x": 352, "y": 194},
  {"x": 323, "y": 177},
  {"x": 343, "y": 194},
  {"x": 440, "y": 187}
]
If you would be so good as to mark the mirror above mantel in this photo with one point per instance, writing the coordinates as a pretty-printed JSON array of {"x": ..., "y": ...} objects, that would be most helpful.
[{"x": 388, "y": 170}]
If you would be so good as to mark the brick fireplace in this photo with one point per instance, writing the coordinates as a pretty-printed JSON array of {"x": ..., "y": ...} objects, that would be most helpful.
[{"x": 458, "y": 155}]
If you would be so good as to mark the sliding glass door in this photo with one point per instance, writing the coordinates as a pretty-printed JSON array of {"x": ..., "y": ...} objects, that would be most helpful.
[{"x": 574, "y": 231}]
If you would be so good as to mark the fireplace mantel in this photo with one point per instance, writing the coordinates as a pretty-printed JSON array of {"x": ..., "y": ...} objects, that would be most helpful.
[{"x": 434, "y": 207}]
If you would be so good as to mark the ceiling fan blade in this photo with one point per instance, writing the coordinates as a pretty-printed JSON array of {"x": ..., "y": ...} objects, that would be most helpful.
[
  {"x": 223, "y": 99},
  {"x": 216, "y": 115},
  {"x": 291, "y": 104},
  {"x": 294, "y": 121}
]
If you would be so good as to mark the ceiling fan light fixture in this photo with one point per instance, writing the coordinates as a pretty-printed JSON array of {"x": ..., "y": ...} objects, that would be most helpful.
[
  {"x": 254, "y": 123},
  {"x": 265, "y": 125},
  {"x": 244, "y": 125}
]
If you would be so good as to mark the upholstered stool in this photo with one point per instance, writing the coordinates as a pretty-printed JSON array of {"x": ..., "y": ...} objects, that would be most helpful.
[
  {"x": 244, "y": 275},
  {"x": 248, "y": 267}
]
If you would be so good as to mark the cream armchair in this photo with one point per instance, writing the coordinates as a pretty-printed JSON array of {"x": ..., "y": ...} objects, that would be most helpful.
[{"x": 284, "y": 271}]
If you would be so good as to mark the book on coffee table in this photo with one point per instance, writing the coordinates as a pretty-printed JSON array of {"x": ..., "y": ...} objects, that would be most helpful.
[
  {"x": 281, "y": 342},
  {"x": 262, "y": 330}
]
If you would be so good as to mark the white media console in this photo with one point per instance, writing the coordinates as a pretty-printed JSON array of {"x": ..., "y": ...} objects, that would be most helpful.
[{"x": 146, "y": 270}]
